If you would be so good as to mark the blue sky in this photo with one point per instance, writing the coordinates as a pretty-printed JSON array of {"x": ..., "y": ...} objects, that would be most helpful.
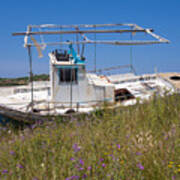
[{"x": 161, "y": 15}]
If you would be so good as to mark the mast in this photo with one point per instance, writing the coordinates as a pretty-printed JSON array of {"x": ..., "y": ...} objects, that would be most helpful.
[
  {"x": 31, "y": 105},
  {"x": 31, "y": 76}
]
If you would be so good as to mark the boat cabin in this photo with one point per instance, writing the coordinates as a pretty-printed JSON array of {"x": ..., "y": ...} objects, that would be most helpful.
[{"x": 71, "y": 85}]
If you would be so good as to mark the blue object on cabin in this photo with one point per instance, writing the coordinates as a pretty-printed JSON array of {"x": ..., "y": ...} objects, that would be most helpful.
[{"x": 76, "y": 57}]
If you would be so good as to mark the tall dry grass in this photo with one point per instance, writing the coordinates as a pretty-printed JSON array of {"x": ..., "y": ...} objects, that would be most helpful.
[{"x": 140, "y": 142}]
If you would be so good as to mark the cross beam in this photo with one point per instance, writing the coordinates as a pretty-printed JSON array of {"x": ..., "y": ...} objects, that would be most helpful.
[
  {"x": 80, "y": 32},
  {"x": 82, "y": 25},
  {"x": 100, "y": 42}
]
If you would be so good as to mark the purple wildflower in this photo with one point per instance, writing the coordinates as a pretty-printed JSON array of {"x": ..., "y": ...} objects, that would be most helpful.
[
  {"x": 20, "y": 166},
  {"x": 101, "y": 159},
  {"x": 72, "y": 159},
  {"x": 5, "y": 171},
  {"x": 74, "y": 177},
  {"x": 140, "y": 166},
  {"x": 173, "y": 178},
  {"x": 81, "y": 168},
  {"x": 81, "y": 162},
  {"x": 166, "y": 138},
  {"x": 138, "y": 153},
  {"x": 89, "y": 168},
  {"x": 76, "y": 147},
  {"x": 103, "y": 165},
  {"x": 84, "y": 176},
  {"x": 118, "y": 146},
  {"x": 12, "y": 152}
]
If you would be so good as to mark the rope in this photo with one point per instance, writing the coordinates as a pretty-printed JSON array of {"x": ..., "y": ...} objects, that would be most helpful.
[
  {"x": 77, "y": 40},
  {"x": 42, "y": 40},
  {"x": 82, "y": 50},
  {"x": 61, "y": 39},
  {"x": 131, "y": 55}
]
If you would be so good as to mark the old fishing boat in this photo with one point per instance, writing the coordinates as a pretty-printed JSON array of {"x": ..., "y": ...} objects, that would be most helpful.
[{"x": 71, "y": 87}]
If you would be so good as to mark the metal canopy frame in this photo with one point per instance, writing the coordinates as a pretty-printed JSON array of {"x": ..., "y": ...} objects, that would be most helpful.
[{"x": 46, "y": 29}]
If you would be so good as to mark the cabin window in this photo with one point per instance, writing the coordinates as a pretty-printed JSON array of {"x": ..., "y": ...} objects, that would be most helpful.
[{"x": 67, "y": 75}]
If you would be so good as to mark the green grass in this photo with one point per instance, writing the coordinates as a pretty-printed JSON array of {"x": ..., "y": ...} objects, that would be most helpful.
[
  {"x": 140, "y": 142},
  {"x": 22, "y": 80}
]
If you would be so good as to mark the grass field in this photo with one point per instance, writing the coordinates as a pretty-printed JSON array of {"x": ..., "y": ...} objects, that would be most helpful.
[{"x": 140, "y": 142}]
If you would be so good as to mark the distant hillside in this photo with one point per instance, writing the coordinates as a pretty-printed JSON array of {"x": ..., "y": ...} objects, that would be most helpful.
[{"x": 22, "y": 80}]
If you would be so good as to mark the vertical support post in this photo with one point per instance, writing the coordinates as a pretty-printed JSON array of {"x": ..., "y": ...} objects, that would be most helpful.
[
  {"x": 77, "y": 106},
  {"x": 95, "y": 52},
  {"x": 48, "y": 108},
  {"x": 131, "y": 63},
  {"x": 61, "y": 39},
  {"x": 31, "y": 75},
  {"x": 52, "y": 72},
  {"x": 71, "y": 95},
  {"x": 104, "y": 94},
  {"x": 77, "y": 40}
]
